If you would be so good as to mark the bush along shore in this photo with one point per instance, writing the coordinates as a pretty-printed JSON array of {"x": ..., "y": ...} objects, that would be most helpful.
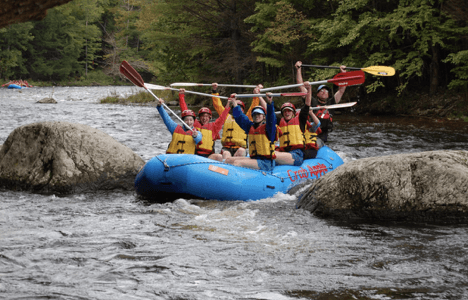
[
  {"x": 448, "y": 106},
  {"x": 94, "y": 78}
]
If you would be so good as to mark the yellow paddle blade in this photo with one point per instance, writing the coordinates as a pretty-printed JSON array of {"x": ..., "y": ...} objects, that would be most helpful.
[{"x": 380, "y": 70}]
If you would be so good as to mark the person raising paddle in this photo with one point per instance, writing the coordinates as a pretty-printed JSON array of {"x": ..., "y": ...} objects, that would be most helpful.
[
  {"x": 184, "y": 140},
  {"x": 262, "y": 134},
  {"x": 234, "y": 139},
  {"x": 298, "y": 139},
  {"x": 210, "y": 130},
  {"x": 324, "y": 97}
]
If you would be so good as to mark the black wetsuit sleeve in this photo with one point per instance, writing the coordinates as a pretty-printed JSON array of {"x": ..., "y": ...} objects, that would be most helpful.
[{"x": 303, "y": 117}]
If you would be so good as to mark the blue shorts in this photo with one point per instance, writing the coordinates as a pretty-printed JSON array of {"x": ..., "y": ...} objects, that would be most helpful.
[
  {"x": 298, "y": 157},
  {"x": 266, "y": 164}
]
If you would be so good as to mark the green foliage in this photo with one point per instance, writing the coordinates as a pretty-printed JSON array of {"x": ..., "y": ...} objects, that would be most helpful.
[
  {"x": 140, "y": 98},
  {"x": 280, "y": 30},
  {"x": 198, "y": 40},
  {"x": 408, "y": 35},
  {"x": 16, "y": 40},
  {"x": 240, "y": 41},
  {"x": 57, "y": 46},
  {"x": 460, "y": 60},
  {"x": 66, "y": 40}
]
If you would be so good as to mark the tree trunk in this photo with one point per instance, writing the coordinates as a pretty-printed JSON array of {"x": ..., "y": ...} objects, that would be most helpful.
[{"x": 434, "y": 70}]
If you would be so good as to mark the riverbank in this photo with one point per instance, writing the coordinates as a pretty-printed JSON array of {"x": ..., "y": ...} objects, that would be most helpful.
[
  {"x": 94, "y": 78},
  {"x": 448, "y": 105}
]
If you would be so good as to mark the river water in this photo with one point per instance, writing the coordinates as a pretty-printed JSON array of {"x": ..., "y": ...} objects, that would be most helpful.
[{"x": 114, "y": 246}]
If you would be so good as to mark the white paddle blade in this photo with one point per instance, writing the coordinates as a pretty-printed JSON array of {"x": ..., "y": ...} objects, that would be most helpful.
[
  {"x": 155, "y": 87},
  {"x": 272, "y": 95},
  {"x": 207, "y": 95},
  {"x": 292, "y": 86},
  {"x": 182, "y": 84},
  {"x": 334, "y": 106}
]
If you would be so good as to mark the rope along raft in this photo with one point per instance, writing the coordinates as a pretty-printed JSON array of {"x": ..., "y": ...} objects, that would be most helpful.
[{"x": 200, "y": 177}]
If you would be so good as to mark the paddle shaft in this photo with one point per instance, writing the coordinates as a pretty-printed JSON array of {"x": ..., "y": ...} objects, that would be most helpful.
[
  {"x": 334, "y": 106},
  {"x": 272, "y": 95},
  {"x": 208, "y": 84},
  {"x": 374, "y": 70},
  {"x": 330, "y": 67},
  {"x": 128, "y": 71},
  {"x": 291, "y": 86},
  {"x": 160, "y": 87},
  {"x": 166, "y": 107},
  {"x": 340, "y": 79}
]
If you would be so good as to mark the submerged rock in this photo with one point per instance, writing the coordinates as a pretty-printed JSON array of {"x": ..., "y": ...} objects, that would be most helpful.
[
  {"x": 47, "y": 100},
  {"x": 61, "y": 157},
  {"x": 426, "y": 186}
]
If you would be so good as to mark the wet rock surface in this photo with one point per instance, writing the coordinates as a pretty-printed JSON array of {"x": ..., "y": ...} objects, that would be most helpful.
[
  {"x": 47, "y": 100},
  {"x": 425, "y": 186},
  {"x": 62, "y": 157}
]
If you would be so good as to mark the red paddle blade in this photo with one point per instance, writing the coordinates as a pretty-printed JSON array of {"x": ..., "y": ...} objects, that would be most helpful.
[
  {"x": 128, "y": 71},
  {"x": 348, "y": 78}
]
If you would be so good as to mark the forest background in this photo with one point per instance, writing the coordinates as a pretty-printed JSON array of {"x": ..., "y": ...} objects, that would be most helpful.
[{"x": 250, "y": 42}]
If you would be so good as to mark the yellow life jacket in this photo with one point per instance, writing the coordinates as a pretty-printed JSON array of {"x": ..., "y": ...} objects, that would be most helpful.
[
  {"x": 259, "y": 144},
  {"x": 207, "y": 144},
  {"x": 292, "y": 137},
  {"x": 310, "y": 138},
  {"x": 182, "y": 142},
  {"x": 233, "y": 135}
]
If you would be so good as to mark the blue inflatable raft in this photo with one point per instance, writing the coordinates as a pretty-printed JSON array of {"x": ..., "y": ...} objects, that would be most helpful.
[
  {"x": 14, "y": 86},
  {"x": 171, "y": 176}
]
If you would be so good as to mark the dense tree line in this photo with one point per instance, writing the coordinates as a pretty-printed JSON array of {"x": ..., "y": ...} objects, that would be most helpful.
[{"x": 243, "y": 41}]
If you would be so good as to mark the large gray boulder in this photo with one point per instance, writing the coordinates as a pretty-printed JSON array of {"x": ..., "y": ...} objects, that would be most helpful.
[
  {"x": 426, "y": 186},
  {"x": 61, "y": 157}
]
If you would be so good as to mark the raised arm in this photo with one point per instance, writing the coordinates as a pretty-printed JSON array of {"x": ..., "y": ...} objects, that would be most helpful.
[
  {"x": 241, "y": 119},
  {"x": 183, "y": 105},
  {"x": 170, "y": 124},
  {"x": 218, "y": 124},
  {"x": 298, "y": 66},
  {"x": 308, "y": 102},
  {"x": 261, "y": 101},
  {"x": 305, "y": 110},
  {"x": 255, "y": 101},
  {"x": 217, "y": 104},
  {"x": 341, "y": 89},
  {"x": 270, "y": 119}
]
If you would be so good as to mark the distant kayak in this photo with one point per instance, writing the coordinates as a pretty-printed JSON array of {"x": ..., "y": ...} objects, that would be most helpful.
[{"x": 186, "y": 175}]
